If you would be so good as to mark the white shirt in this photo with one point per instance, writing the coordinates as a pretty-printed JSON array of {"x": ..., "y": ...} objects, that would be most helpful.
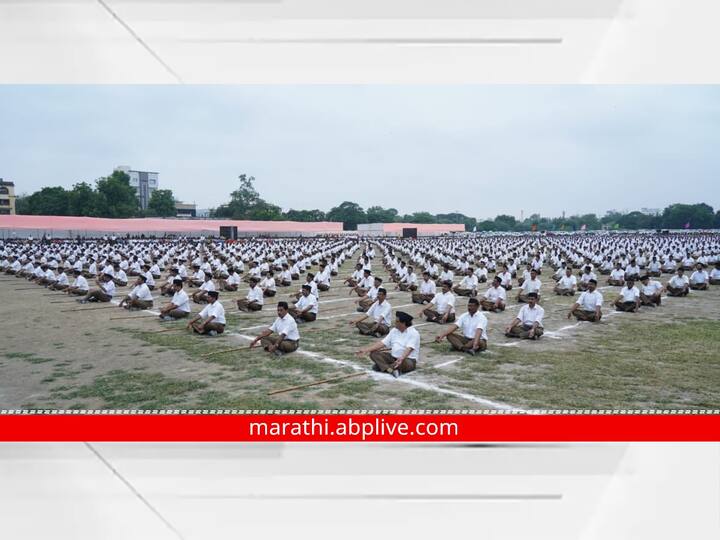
[
  {"x": 567, "y": 282},
  {"x": 679, "y": 282},
  {"x": 399, "y": 341},
  {"x": 209, "y": 285},
  {"x": 469, "y": 324},
  {"x": 109, "y": 287},
  {"x": 493, "y": 293},
  {"x": 305, "y": 301},
  {"x": 629, "y": 295},
  {"x": 428, "y": 287},
  {"x": 181, "y": 300},
  {"x": 81, "y": 283},
  {"x": 699, "y": 276},
  {"x": 442, "y": 300},
  {"x": 216, "y": 310},
  {"x": 255, "y": 294},
  {"x": 529, "y": 316},
  {"x": 382, "y": 313},
  {"x": 286, "y": 325},
  {"x": 590, "y": 300},
  {"x": 531, "y": 285},
  {"x": 141, "y": 292},
  {"x": 652, "y": 287}
]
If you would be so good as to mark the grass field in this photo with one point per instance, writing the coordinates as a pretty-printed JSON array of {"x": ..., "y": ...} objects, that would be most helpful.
[{"x": 659, "y": 358}]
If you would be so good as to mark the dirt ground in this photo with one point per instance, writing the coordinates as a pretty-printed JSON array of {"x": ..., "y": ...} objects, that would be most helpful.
[{"x": 57, "y": 354}]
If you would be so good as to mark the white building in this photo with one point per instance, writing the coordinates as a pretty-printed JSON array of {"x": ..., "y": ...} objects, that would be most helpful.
[{"x": 144, "y": 182}]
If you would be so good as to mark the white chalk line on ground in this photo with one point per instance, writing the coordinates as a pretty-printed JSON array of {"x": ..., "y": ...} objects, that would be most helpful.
[{"x": 403, "y": 379}]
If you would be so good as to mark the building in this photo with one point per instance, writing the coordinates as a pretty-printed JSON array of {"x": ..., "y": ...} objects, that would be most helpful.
[
  {"x": 144, "y": 182},
  {"x": 409, "y": 229},
  {"x": 7, "y": 197},
  {"x": 185, "y": 210}
]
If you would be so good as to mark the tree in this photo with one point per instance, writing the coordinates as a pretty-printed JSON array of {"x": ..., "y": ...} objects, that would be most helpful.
[
  {"x": 22, "y": 204},
  {"x": 162, "y": 203},
  {"x": 49, "y": 201},
  {"x": 349, "y": 213},
  {"x": 263, "y": 211},
  {"x": 456, "y": 217},
  {"x": 116, "y": 197},
  {"x": 378, "y": 214},
  {"x": 421, "y": 217},
  {"x": 503, "y": 222},
  {"x": 83, "y": 200},
  {"x": 305, "y": 215},
  {"x": 699, "y": 216}
]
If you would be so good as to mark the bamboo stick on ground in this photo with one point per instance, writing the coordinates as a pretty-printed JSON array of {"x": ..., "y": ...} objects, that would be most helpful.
[
  {"x": 316, "y": 383},
  {"x": 87, "y": 309}
]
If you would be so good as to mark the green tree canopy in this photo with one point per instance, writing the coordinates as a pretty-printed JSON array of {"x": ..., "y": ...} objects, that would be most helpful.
[
  {"x": 49, "y": 201},
  {"x": 162, "y": 203},
  {"x": 305, "y": 215},
  {"x": 699, "y": 216},
  {"x": 349, "y": 213},
  {"x": 378, "y": 214},
  {"x": 83, "y": 200},
  {"x": 116, "y": 197}
]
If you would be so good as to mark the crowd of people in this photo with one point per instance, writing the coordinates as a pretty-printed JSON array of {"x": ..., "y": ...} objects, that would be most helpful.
[{"x": 490, "y": 271}]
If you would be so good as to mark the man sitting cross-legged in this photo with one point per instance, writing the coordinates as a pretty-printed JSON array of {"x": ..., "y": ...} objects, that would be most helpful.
[
  {"x": 528, "y": 323},
  {"x": 427, "y": 291},
  {"x": 531, "y": 285},
  {"x": 370, "y": 296},
  {"x": 494, "y": 298},
  {"x": 139, "y": 297},
  {"x": 650, "y": 291},
  {"x": 376, "y": 322},
  {"x": 283, "y": 336},
  {"x": 715, "y": 274},
  {"x": 700, "y": 279},
  {"x": 179, "y": 306},
  {"x": 442, "y": 306},
  {"x": 79, "y": 286},
  {"x": 679, "y": 284},
  {"x": 473, "y": 330},
  {"x": 201, "y": 295},
  {"x": 253, "y": 301},
  {"x": 468, "y": 284},
  {"x": 211, "y": 320},
  {"x": 403, "y": 343},
  {"x": 567, "y": 284},
  {"x": 306, "y": 308},
  {"x": 355, "y": 277},
  {"x": 617, "y": 276},
  {"x": 629, "y": 297},
  {"x": 103, "y": 292},
  {"x": 364, "y": 284},
  {"x": 589, "y": 306}
]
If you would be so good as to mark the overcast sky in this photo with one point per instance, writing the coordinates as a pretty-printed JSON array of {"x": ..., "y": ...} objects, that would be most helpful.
[{"x": 479, "y": 150}]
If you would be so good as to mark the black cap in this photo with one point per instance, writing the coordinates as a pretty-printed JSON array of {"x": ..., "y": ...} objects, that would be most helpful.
[
  {"x": 404, "y": 318},
  {"x": 213, "y": 294}
]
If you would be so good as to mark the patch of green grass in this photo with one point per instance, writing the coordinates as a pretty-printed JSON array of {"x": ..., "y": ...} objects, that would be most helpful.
[
  {"x": 671, "y": 365},
  {"x": 223, "y": 400},
  {"x": 28, "y": 357},
  {"x": 417, "y": 398},
  {"x": 120, "y": 389}
]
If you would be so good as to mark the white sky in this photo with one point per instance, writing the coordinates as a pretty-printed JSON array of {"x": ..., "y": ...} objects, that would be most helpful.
[{"x": 479, "y": 150}]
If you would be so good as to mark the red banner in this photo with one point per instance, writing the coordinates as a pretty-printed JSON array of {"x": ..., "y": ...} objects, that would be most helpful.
[{"x": 170, "y": 426}]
